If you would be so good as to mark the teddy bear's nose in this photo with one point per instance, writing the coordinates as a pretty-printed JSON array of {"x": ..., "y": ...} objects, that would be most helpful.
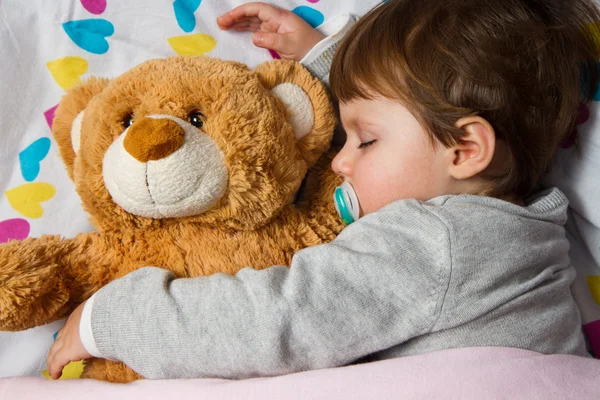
[{"x": 153, "y": 139}]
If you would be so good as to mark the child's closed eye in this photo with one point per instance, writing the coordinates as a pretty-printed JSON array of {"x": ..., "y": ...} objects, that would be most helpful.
[{"x": 366, "y": 144}]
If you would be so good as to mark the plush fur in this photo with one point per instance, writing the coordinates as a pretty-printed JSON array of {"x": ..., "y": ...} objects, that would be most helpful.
[{"x": 250, "y": 165}]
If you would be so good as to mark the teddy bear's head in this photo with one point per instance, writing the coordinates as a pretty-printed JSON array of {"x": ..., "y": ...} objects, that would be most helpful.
[{"x": 196, "y": 138}]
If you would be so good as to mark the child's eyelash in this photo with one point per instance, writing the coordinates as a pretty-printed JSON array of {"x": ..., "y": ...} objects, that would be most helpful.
[{"x": 366, "y": 144}]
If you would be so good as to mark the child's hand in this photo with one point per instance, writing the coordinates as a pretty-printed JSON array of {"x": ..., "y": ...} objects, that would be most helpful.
[
  {"x": 67, "y": 347},
  {"x": 275, "y": 28}
]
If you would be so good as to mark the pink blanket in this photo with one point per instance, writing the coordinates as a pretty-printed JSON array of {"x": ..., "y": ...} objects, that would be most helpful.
[{"x": 473, "y": 373}]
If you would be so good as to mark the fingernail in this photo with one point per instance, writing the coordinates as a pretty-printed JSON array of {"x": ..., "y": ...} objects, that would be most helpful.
[{"x": 258, "y": 38}]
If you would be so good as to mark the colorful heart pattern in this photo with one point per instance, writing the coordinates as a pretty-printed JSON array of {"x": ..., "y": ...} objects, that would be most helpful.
[
  {"x": 202, "y": 43},
  {"x": 26, "y": 199},
  {"x": 592, "y": 331},
  {"x": 184, "y": 13},
  {"x": 31, "y": 157},
  {"x": 72, "y": 370},
  {"x": 94, "y": 6},
  {"x": 192, "y": 45},
  {"x": 49, "y": 115},
  {"x": 14, "y": 229},
  {"x": 310, "y": 15},
  {"x": 594, "y": 287},
  {"x": 90, "y": 34},
  {"x": 67, "y": 71},
  {"x": 274, "y": 54}
]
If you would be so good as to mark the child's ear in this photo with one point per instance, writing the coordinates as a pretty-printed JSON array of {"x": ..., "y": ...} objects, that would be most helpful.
[
  {"x": 475, "y": 150},
  {"x": 309, "y": 108},
  {"x": 66, "y": 126}
]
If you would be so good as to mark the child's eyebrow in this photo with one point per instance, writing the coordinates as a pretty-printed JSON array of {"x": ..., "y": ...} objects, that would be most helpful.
[
  {"x": 357, "y": 122},
  {"x": 361, "y": 123}
]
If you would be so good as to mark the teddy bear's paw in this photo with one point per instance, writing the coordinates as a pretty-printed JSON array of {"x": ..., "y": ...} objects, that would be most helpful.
[
  {"x": 30, "y": 294},
  {"x": 111, "y": 371}
]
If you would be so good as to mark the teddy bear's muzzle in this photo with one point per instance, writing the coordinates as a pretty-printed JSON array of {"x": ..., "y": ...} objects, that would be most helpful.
[{"x": 164, "y": 167}]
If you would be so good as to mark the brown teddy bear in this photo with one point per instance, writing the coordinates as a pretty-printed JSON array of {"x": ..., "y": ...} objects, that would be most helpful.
[{"x": 192, "y": 164}]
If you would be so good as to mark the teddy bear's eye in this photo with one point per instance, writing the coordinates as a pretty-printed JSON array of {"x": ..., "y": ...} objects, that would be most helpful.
[
  {"x": 127, "y": 120},
  {"x": 196, "y": 118}
]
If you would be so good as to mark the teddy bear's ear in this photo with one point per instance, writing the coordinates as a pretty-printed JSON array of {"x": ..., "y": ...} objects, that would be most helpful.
[
  {"x": 66, "y": 126},
  {"x": 310, "y": 111}
]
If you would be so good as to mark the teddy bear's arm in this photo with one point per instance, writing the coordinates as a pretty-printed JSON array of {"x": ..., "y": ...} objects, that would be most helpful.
[
  {"x": 316, "y": 208},
  {"x": 44, "y": 279}
]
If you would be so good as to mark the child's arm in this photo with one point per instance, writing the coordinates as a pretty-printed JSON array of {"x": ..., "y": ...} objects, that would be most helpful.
[{"x": 380, "y": 283}]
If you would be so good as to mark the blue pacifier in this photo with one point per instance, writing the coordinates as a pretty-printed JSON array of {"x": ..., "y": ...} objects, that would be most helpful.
[{"x": 346, "y": 203}]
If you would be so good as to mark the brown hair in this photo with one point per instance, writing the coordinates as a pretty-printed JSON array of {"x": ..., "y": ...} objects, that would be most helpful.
[{"x": 523, "y": 65}]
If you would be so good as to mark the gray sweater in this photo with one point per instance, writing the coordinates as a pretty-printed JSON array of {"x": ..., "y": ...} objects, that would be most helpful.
[{"x": 413, "y": 277}]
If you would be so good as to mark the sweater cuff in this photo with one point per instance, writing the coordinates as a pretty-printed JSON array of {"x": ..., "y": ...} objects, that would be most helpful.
[
  {"x": 86, "y": 333},
  {"x": 85, "y": 329},
  {"x": 318, "y": 59}
]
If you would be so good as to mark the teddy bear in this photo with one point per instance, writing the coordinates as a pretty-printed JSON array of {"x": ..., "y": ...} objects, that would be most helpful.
[{"x": 192, "y": 164}]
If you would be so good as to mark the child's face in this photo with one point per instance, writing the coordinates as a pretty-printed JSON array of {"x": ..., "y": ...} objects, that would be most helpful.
[{"x": 388, "y": 155}]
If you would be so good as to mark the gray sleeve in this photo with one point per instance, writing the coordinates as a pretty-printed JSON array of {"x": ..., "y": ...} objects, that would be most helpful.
[
  {"x": 321, "y": 65},
  {"x": 319, "y": 58},
  {"x": 380, "y": 283}
]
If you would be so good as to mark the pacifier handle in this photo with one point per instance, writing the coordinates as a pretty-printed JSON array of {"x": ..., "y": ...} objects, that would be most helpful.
[{"x": 346, "y": 203}]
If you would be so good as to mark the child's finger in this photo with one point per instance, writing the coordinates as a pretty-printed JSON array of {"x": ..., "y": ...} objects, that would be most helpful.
[
  {"x": 248, "y": 26},
  {"x": 255, "y": 26},
  {"x": 273, "y": 41},
  {"x": 241, "y": 28},
  {"x": 56, "y": 346},
  {"x": 56, "y": 364},
  {"x": 264, "y": 12},
  {"x": 54, "y": 372}
]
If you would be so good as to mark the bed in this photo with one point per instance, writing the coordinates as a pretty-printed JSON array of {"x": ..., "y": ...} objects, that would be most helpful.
[{"x": 48, "y": 46}]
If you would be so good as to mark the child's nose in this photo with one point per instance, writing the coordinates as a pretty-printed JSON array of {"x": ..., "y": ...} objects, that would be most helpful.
[{"x": 342, "y": 164}]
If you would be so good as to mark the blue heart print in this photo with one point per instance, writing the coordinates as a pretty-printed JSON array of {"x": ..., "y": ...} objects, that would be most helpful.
[
  {"x": 310, "y": 15},
  {"x": 90, "y": 34},
  {"x": 31, "y": 157},
  {"x": 184, "y": 12}
]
